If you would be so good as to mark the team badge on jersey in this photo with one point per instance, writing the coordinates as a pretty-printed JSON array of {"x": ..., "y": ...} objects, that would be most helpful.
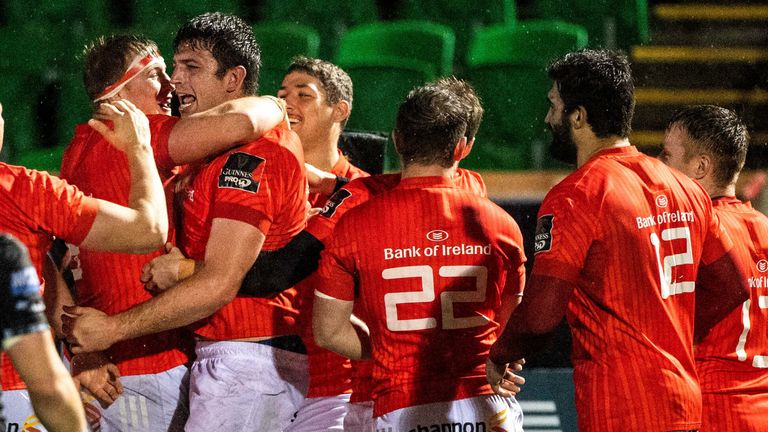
[
  {"x": 334, "y": 202},
  {"x": 543, "y": 239},
  {"x": 241, "y": 171}
]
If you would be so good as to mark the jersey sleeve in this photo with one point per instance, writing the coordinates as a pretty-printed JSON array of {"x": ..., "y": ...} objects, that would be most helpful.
[
  {"x": 350, "y": 196},
  {"x": 564, "y": 233},
  {"x": 243, "y": 189},
  {"x": 717, "y": 242},
  {"x": 22, "y": 306},
  {"x": 336, "y": 273},
  {"x": 62, "y": 210}
]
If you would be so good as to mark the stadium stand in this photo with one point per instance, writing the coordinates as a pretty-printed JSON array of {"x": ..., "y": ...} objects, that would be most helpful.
[{"x": 279, "y": 43}]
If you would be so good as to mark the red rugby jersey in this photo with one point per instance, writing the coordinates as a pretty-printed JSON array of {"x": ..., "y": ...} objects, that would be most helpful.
[
  {"x": 629, "y": 233},
  {"x": 262, "y": 183},
  {"x": 433, "y": 281},
  {"x": 329, "y": 373},
  {"x": 110, "y": 281},
  {"x": 36, "y": 207},
  {"x": 352, "y": 194},
  {"x": 732, "y": 361}
]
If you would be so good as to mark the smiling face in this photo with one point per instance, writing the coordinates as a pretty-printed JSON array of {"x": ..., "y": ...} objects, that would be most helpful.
[
  {"x": 311, "y": 115},
  {"x": 195, "y": 76},
  {"x": 150, "y": 91}
]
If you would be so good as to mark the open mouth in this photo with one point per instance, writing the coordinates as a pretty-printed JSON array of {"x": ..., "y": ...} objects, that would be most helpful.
[
  {"x": 165, "y": 103},
  {"x": 185, "y": 101}
]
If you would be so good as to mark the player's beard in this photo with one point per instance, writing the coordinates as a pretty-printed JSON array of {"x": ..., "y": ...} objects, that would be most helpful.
[{"x": 562, "y": 148}]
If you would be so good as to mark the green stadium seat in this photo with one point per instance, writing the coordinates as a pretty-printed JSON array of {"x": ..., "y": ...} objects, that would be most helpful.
[
  {"x": 417, "y": 40},
  {"x": 331, "y": 18},
  {"x": 279, "y": 43},
  {"x": 507, "y": 67},
  {"x": 465, "y": 17},
  {"x": 379, "y": 89},
  {"x": 610, "y": 23}
]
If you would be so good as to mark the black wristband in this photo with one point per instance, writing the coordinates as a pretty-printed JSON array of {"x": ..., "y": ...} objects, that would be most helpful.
[{"x": 340, "y": 183}]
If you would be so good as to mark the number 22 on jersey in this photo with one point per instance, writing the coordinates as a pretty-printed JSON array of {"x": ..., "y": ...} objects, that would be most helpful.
[{"x": 427, "y": 295}]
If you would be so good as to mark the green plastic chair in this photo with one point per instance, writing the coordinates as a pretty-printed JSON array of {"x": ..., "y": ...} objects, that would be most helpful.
[
  {"x": 331, "y": 18},
  {"x": 417, "y": 40},
  {"x": 465, "y": 17},
  {"x": 281, "y": 42},
  {"x": 507, "y": 66},
  {"x": 610, "y": 23}
]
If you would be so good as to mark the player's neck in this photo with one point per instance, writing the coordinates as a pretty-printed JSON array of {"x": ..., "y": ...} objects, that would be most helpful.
[
  {"x": 416, "y": 170},
  {"x": 324, "y": 156},
  {"x": 720, "y": 191},
  {"x": 594, "y": 145}
]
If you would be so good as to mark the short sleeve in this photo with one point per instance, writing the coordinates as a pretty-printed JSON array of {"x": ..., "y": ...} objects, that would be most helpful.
[
  {"x": 336, "y": 271},
  {"x": 321, "y": 225},
  {"x": 244, "y": 189},
  {"x": 161, "y": 127},
  {"x": 564, "y": 234},
  {"x": 61, "y": 209}
]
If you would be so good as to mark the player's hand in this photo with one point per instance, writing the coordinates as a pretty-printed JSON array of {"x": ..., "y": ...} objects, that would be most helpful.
[
  {"x": 320, "y": 181},
  {"x": 502, "y": 378},
  {"x": 95, "y": 375},
  {"x": 87, "y": 329},
  {"x": 130, "y": 127},
  {"x": 166, "y": 270}
]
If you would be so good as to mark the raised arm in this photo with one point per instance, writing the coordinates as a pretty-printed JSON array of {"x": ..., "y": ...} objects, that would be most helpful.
[
  {"x": 222, "y": 127},
  {"x": 142, "y": 226}
]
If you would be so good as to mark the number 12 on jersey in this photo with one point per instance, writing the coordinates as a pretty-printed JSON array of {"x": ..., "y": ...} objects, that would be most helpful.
[
  {"x": 670, "y": 285},
  {"x": 427, "y": 295}
]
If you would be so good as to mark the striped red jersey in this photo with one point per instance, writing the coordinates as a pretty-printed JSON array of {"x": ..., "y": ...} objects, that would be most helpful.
[
  {"x": 329, "y": 373},
  {"x": 629, "y": 234},
  {"x": 732, "y": 360},
  {"x": 37, "y": 206},
  {"x": 361, "y": 190},
  {"x": 430, "y": 282},
  {"x": 262, "y": 183},
  {"x": 110, "y": 281}
]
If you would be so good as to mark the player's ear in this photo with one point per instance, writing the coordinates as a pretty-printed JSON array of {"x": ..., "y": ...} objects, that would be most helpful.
[
  {"x": 463, "y": 147},
  {"x": 704, "y": 166},
  {"x": 341, "y": 110},
  {"x": 234, "y": 78},
  {"x": 578, "y": 117}
]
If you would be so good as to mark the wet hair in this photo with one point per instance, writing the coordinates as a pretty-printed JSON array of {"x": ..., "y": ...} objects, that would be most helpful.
[
  {"x": 465, "y": 90},
  {"x": 718, "y": 132},
  {"x": 431, "y": 121},
  {"x": 601, "y": 82},
  {"x": 107, "y": 58},
  {"x": 230, "y": 41},
  {"x": 336, "y": 82}
]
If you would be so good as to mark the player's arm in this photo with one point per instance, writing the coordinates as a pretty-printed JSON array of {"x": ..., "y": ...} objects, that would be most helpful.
[
  {"x": 231, "y": 249},
  {"x": 142, "y": 226},
  {"x": 511, "y": 296},
  {"x": 51, "y": 390},
  {"x": 222, "y": 127},
  {"x": 528, "y": 329},
  {"x": 720, "y": 287},
  {"x": 334, "y": 329}
]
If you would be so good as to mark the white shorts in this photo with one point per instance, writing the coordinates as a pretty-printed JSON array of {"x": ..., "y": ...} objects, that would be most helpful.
[
  {"x": 321, "y": 414},
  {"x": 18, "y": 412},
  {"x": 360, "y": 417},
  {"x": 476, "y": 414},
  {"x": 153, "y": 402},
  {"x": 245, "y": 386}
]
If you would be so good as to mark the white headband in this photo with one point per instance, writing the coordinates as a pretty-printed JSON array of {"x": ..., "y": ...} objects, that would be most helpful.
[{"x": 141, "y": 63}]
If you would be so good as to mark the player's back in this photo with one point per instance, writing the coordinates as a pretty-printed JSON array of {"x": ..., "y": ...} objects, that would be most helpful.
[
  {"x": 432, "y": 269},
  {"x": 734, "y": 356},
  {"x": 630, "y": 237}
]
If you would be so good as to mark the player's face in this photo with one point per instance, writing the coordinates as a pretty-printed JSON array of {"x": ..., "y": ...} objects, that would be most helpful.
[
  {"x": 309, "y": 112},
  {"x": 197, "y": 86},
  {"x": 562, "y": 148},
  {"x": 673, "y": 151},
  {"x": 150, "y": 91}
]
